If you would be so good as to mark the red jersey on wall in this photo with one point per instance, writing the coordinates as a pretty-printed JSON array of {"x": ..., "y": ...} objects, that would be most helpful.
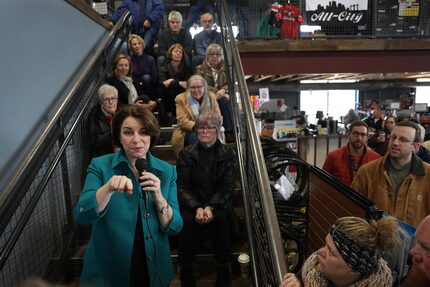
[{"x": 291, "y": 19}]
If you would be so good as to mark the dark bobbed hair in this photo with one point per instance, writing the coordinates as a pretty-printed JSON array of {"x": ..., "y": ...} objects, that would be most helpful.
[
  {"x": 138, "y": 112},
  {"x": 358, "y": 124},
  {"x": 386, "y": 119},
  {"x": 173, "y": 47},
  {"x": 413, "y": 125}
]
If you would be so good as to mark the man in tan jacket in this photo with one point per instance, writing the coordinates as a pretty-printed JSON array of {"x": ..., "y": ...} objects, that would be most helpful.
[{"x": 399, "y": 182}]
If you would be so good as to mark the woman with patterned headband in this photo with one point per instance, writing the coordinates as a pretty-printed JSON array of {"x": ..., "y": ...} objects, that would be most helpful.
[{"x": 352, "y": 255}]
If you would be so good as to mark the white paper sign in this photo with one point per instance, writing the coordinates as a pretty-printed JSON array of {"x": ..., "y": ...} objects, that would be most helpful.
[{"x": 264, "y": 95}]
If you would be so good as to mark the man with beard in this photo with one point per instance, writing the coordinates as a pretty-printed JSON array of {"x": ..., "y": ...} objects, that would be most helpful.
[
  {"x": 343, "y": 163},
  {"x": 399, "y": 182},
  {"x": 203, "y": 39}
]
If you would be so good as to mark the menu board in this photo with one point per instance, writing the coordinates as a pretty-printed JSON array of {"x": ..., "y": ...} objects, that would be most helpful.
[{"x": 397, "y": 17}]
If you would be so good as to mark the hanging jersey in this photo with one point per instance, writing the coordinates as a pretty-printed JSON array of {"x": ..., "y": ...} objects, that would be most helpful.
[{"x": 291, "y": 20}]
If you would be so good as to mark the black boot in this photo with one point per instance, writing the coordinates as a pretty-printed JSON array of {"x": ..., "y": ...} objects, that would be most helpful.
[
  {"x": 223, "y": 277},
  {"x": 186, "y": 277}
]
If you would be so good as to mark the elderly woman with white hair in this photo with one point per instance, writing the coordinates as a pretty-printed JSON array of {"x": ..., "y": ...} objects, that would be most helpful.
[
  {"x": 189, "y": 105},
  {"x": 213, "y": 71},
  {"x": 99, "y": 121}
]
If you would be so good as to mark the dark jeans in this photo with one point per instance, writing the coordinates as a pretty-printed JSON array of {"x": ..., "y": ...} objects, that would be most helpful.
[
  {"x": 193, "y": 234},
  {"x": 197, "y": 60},
  {"x": 239, "y": 14},
  {"x": 148, "y": 85},
  {"x": 227, "y": 120},
  {"x": 195, "y": 11},
  {"x": 149, "y": 39}
]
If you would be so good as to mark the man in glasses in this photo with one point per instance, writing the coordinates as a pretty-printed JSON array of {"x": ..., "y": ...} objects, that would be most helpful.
[
  {"x": 399, "y": 182},
  {"x": 343, "y": 163}
]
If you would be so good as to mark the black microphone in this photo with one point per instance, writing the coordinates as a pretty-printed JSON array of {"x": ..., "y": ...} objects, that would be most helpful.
[{"x": 141, "y": 165}]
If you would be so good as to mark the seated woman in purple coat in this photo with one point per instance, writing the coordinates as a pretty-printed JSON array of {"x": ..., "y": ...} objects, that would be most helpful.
[{"x": 144, "y": 70}]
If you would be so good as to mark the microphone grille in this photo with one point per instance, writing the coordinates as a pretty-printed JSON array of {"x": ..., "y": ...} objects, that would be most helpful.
[{"x": 141, "y": 164}]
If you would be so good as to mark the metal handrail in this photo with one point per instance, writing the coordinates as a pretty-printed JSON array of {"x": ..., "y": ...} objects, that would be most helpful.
[
  {"x": 276, "y": 247},
  {"x": 16, "y": 188}
]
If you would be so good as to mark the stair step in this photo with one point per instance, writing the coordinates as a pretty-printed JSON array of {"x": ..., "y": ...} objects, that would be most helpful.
[
  {"x": 201, "y": 281},
  {"x": 205, "y": 267},
  {"x": 209, "y": 281},
  {"x": 164, "y": 152}
]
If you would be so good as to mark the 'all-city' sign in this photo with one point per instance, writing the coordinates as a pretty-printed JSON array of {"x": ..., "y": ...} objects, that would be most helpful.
[{"x": 336, "y": 13}]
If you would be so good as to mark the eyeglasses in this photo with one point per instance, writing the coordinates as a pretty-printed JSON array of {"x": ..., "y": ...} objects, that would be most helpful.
[
  {"x": 196, "y": 87},
  {"x": 114, "y": 99},
  {"x": 357, "y": 134},
  {"x": 206, "y": 129},
  {"x": 402, "y": 140},
  {"x": 215, "y": 55}
]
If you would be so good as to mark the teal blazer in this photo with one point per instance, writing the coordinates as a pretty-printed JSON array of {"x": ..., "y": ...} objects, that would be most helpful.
[{"x": 107, "y": 259}]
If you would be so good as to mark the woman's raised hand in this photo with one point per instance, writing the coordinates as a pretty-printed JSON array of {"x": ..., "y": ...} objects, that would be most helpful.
[{"x": 120, "y": 183}]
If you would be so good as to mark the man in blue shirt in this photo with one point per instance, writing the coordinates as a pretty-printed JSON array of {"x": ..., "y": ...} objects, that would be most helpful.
[{"x": 203, "y": 39}]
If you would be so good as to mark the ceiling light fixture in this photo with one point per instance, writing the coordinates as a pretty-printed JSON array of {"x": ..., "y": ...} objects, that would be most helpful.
[
  {"x": 423, "y": 80},
  {"x": 328, "y": 81},
  {"x": 342, "y": 81},
  {"x": 313, "y": 82}
]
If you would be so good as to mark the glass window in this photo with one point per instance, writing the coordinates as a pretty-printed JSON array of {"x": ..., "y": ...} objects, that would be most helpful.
[
  {"x": 422, "y": 94},
  {"x": 333, "y": 103}
]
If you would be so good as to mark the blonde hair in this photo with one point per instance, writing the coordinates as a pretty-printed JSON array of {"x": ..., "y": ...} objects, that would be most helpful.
[
  {"x": 131, "y": 38},
  {"x": 174, "y": 15},
  {"x": 379, "y": 236}
]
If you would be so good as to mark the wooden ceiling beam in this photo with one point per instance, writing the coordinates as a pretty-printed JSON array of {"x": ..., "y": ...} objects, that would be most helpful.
[
  {"x": 276, "y": 63},
  {"x": 280, "y": 78},
  {"x": 263, "y": 78}
]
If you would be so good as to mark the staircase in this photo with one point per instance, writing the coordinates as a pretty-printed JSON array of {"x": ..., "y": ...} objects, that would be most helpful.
[{"x": 204, "y": 263}]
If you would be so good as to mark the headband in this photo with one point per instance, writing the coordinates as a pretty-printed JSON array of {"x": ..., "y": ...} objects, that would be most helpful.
[{"x": 359, "y": 257}]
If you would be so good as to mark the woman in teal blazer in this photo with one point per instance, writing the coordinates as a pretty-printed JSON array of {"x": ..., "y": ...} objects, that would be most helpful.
[{"x": 129, "y": 243}]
